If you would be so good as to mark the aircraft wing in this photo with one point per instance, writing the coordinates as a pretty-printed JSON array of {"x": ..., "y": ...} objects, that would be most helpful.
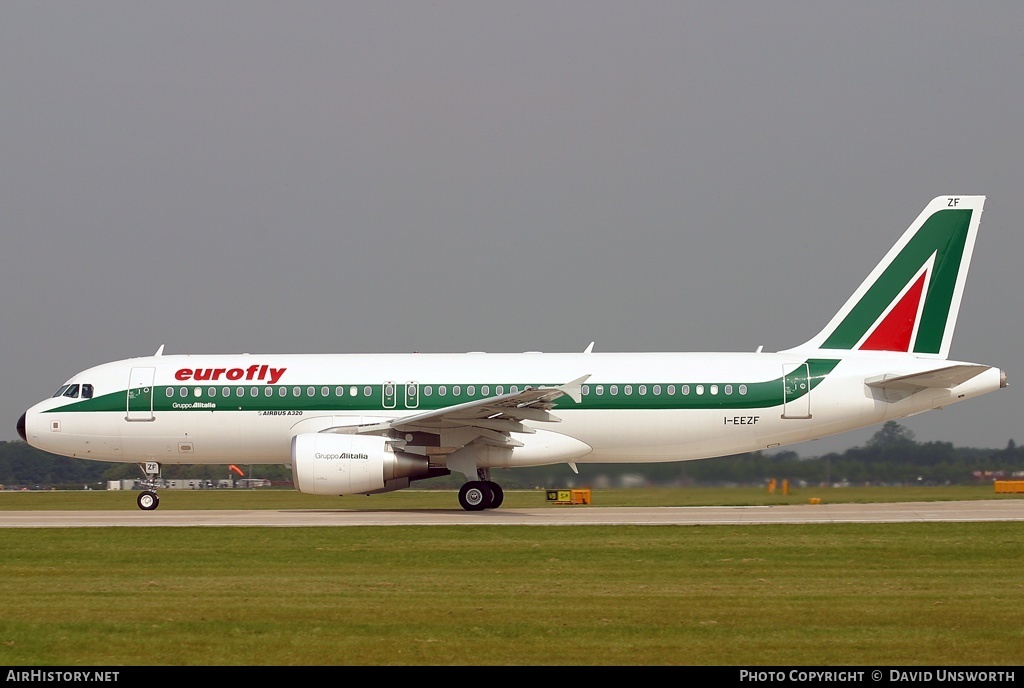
[
  {"x": 491, "y": 419},
  {"x": 940, "y": 378}
]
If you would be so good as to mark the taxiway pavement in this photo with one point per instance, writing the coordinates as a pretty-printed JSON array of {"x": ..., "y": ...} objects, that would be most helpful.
[{"x": 898, "y": 512}]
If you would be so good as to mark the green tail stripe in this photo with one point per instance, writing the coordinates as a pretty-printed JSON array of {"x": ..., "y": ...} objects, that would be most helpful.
[{"x": 944, "y": 234}]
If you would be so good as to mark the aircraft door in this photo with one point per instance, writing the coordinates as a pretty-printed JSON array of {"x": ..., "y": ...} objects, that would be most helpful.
[
  {"x": 412, "y": 394},
  {"x": 796, "y": 391},
  {"x": 140, "y": 394}
]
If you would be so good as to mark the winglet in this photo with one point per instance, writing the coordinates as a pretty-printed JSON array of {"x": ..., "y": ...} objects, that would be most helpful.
[{"x": 574, "y": 389}]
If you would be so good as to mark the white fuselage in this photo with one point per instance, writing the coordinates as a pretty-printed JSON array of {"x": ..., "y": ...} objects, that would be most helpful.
[{"x": 640, "y": 407}]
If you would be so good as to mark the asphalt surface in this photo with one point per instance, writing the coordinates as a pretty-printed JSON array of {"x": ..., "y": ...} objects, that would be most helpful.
[{"x": 900, "y": 512}]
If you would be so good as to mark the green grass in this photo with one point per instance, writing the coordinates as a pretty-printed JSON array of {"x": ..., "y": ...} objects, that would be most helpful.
[
  {"x": 884, "y": 594},
  {"x": 924, "y": 594}
]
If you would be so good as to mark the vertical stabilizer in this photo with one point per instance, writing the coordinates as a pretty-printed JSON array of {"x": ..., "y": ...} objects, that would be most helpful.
[{"x": 909, "y": 302}]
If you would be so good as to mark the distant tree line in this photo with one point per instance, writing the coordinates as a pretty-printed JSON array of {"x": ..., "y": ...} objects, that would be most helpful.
[
  {"x": 890, "y": 457},
  {"x": 24, "y": 466}
]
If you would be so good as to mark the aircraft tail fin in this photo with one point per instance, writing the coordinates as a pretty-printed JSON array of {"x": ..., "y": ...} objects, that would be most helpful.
[{"x": 910, "y": 301}]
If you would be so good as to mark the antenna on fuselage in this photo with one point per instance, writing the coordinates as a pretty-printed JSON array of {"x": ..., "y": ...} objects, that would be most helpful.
[
  {"x": 160, "y": 351},
  {"x": 589, "y": 349}
]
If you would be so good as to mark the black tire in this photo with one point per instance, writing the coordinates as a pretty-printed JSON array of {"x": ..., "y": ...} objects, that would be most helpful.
[
  {"x": 497, "y": 495},
  {"x": 148, "y": 500},
  {"x": 474, "y": 496}
]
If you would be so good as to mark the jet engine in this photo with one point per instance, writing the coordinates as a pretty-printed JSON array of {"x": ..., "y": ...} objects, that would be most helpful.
[{"x": 342, "y": 464}]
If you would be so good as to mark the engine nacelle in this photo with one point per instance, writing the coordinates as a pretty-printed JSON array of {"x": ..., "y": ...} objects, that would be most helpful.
[{"x": 337, "y": 464}]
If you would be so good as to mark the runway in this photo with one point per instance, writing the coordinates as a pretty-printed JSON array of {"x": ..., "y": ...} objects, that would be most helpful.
[{"x": 899, "y": 512}]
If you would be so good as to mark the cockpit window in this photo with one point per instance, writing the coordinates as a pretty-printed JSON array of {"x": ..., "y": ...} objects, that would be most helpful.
[
  {"x": 71, "y": 391},
  {"x": 86, "y": 391},
  {"x": 60, "y": 391}
]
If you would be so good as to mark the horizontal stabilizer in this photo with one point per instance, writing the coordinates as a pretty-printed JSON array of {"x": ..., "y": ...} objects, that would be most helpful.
[{"x": 940, "y": 378}]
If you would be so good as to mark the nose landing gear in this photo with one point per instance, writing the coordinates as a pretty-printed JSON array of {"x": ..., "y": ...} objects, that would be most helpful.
[{"x": 148, "y": 498}]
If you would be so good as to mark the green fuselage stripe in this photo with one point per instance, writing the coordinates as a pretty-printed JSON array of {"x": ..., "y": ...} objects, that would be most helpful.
[{"x": 612, "y": 396}]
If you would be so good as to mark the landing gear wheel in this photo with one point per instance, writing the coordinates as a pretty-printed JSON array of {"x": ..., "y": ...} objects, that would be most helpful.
[
  {"x": 497, "y": 495},
  {"x": 148, "y": 500},
  {"x": 475, "y": 496}
]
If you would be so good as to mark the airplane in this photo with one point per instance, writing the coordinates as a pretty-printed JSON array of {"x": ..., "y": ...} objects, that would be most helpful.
[{"x": 372, "y": 423}]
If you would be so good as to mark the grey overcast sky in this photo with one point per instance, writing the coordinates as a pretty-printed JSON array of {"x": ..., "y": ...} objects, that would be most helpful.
[{"x": 274, "y": 177}]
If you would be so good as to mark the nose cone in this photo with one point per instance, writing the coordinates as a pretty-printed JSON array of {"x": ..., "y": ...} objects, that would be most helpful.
[{"x": 21, "y": 426}]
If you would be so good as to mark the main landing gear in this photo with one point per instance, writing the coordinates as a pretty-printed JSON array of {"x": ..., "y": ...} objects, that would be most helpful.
[
  {"x": 477, "y": 495},
  {"x": 148, "y": 498}
]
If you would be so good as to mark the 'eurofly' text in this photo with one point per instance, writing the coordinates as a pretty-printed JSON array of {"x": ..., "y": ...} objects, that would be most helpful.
[{"x": 253, "y": 372}]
